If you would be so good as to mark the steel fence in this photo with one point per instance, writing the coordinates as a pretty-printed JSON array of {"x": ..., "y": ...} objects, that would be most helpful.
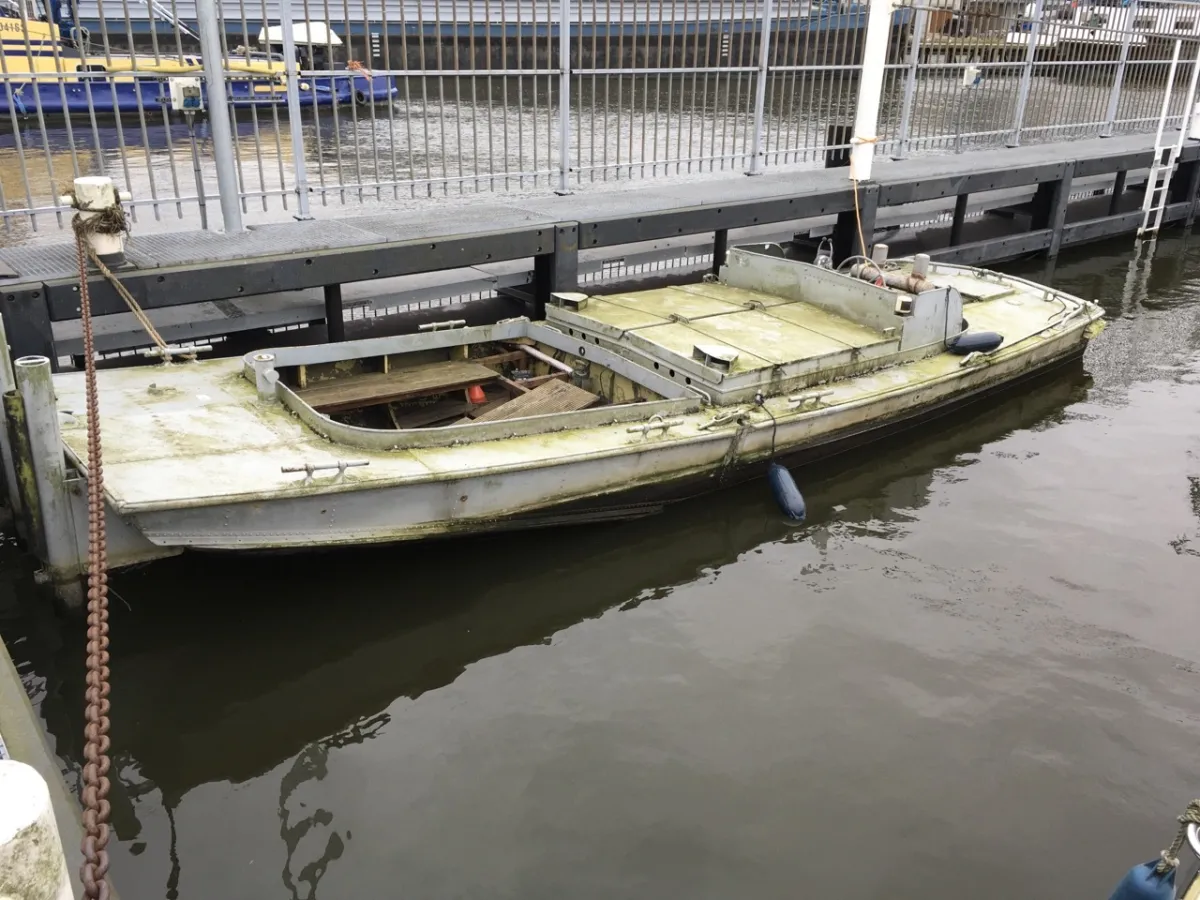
[{"x": 334, "y": 103}]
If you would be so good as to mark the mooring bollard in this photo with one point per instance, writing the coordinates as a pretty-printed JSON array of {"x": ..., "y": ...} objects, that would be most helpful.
[
  {"x": 32, "y": 864},
  {"x": 265, "y": 376},
  {"x": 95, "y": 195}
]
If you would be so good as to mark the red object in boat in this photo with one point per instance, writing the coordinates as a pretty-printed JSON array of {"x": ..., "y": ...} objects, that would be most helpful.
[{"x": 475, "y": 394}]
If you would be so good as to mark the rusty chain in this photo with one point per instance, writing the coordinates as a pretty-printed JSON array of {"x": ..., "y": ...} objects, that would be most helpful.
[{"x": 94, "y": 871}]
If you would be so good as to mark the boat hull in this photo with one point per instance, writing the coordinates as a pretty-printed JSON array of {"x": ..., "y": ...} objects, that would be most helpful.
[
  {"x": 122, "y": 94},
  {"x": 618, "y": 486}
]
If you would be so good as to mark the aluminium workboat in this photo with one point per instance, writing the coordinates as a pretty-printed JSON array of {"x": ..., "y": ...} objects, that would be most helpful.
[{"x": 609, "y": 408}]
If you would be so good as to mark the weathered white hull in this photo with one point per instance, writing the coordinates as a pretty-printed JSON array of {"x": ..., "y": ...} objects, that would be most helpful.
[{"x": 513, "y": 496}]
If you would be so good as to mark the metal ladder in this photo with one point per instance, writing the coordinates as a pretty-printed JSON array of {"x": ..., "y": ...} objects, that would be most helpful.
[{"x": 1158, "y": 182}]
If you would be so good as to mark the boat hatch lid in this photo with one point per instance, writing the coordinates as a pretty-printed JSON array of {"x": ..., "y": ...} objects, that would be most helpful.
[
  {"x": 715, "y": 356},
  {"x": 757, "y": 331}
]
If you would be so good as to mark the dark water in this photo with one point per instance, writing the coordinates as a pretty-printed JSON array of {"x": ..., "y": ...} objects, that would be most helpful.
[{"x": 973, "y": 673}]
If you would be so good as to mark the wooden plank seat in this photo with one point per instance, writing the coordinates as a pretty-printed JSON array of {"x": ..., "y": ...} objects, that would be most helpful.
[
  {"x": 355, "y": 391},
  {"x": 550, "y": 397}
]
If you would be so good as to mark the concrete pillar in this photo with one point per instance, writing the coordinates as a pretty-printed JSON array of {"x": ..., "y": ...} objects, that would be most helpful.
[{"x": 32, "y": 864}]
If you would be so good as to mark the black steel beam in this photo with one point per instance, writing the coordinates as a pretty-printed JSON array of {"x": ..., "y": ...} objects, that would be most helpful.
[
  {"x": 913, "y": 190},
  {"x": 155, "y": 288},
  {"x": 557, "y": 270},
  {"x": 720, "y": 249},
  {"x": 335, "y": 322},
  {"x": 700, "y": 219},
  {"x": 1118, "y": 190},
  {"x": 1176, "y": 212},
  {"x": 1103, "y": 165},
  {"x": 27, "y": 324},
  {"x": 995, "y": 249},
  {"x": 856, "y": 225},
  {"x": 1097, "y": 229},
  {"x": 1056, "y": 215},
  {"x": 960, "y": 216}
]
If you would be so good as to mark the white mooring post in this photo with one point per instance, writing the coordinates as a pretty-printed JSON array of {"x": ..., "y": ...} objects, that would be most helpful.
[
  {"x": 870, "y": 89},
  {"x": 32, "y": 864},
  {"x": 95, "y": 195},
  {"x": 62, "y": 555}
]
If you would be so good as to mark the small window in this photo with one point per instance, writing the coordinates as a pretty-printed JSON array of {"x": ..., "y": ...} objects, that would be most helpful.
[{"x": 1185, "y": 24}]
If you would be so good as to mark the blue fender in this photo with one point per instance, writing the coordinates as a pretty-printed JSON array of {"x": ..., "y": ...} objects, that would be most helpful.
[
  {"x": 786, "y": 493},
  {"x": 1143, "y": 883}
]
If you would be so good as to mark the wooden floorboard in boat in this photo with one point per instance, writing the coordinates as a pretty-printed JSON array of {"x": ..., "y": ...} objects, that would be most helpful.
[
  {"x": 551, "y": 397},
  {"x": 384, "y": 387}
]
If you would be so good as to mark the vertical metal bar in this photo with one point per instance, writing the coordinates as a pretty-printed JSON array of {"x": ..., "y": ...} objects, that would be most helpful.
[
  {"x": 350, "y": 89},
  {"x": 960, "y": 215},
  {"x": 1114, "y": 97},
  {"x": 1118, "y": 190},
  {"x": 760, "y": 91},
  {"x": 335, "y": 322},
  {"x": 385, "y": 30},
  {"x": 316, "y": 108},
  {"x": 218, "y": 104},
  {"x": 1035, "y": 30},
  {"x": 910, "y": 84},
  {"x": 234, "y": 79},
  {"x": 720, "y": 249},
  {"x": 295, "y": 124},
  {"x": 564, "y": 96}
]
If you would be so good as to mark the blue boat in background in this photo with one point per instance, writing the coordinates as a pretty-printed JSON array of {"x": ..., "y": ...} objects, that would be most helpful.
[{"x": 52, "y": 68}]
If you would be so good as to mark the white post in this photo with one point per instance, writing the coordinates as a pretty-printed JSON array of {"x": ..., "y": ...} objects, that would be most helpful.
[
  {"x": 870, "y": 89},
  {"x": 32, "y": 864},
  {"x": 95, "y": 194},
  {"x": 63, "y": 562}
]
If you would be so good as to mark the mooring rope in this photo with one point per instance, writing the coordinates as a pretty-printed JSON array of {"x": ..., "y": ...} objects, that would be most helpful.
[
  {"x": 1170, "y": 859},
  {"x": 94, "y": 871},
  {"x": 112, "y": 221},
  {"x": 862, "y": 243}
]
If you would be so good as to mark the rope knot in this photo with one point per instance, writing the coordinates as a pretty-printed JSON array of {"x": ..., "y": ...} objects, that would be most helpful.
[{"x": 1170, "y": 859}]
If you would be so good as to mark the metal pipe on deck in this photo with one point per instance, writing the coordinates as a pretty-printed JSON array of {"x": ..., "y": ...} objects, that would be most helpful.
[
  {"x": 218, "y": 115},
  {"x": 49, "y": 471}
]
